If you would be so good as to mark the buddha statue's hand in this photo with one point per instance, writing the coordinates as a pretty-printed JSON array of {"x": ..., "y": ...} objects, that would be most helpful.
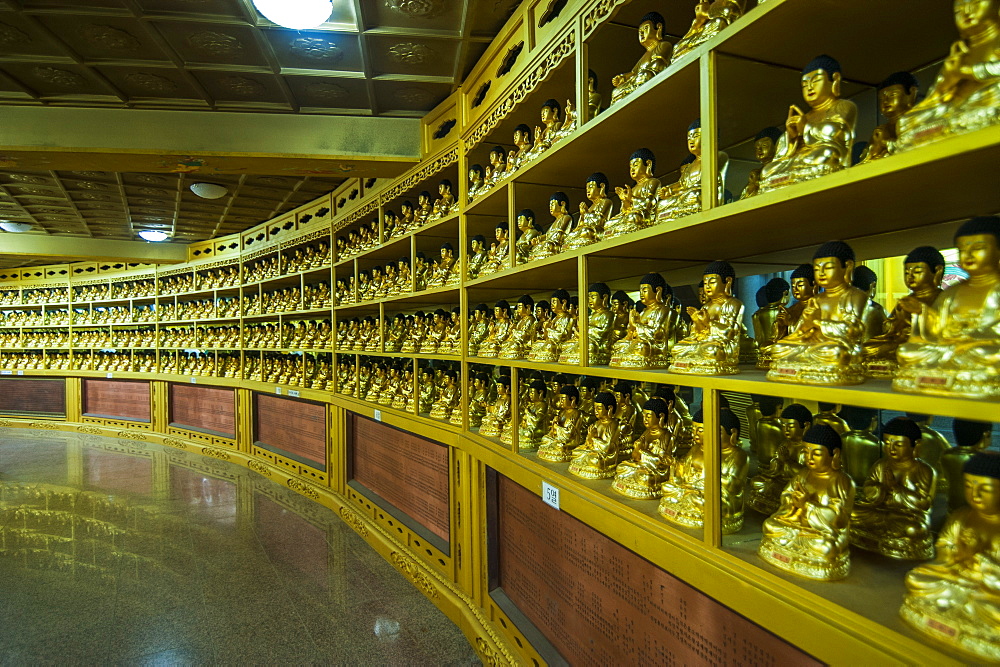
[
  {"x": 795, "y": 123},
  {"x": 625, "y": 194},
  {"x": 618, "y": 79}
]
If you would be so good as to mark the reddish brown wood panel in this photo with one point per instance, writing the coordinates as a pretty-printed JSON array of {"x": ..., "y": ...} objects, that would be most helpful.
[
  {"x": 409, "y": 472},
  {"x": 203, "y": 408},
  {"x": 34, "y": 397},
  {"x": 600, "y": 604},
  {"x": 296, "y": 427},
  {"x": 118, "y": 399}
]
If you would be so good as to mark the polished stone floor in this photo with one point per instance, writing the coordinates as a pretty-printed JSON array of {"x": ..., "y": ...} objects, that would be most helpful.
[{"x": 121, "y": 552}]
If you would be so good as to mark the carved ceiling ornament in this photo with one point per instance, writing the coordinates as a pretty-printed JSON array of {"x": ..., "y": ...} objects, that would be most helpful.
[
  {"x": 27, "y": 178},
  {"x": 91, "y": 185},
  {"x": 410, "y": 53},
  {"x": 12, "y": 35},
  {"x": 58, "y": 77},
  {"x": 241, "y": 85},
  {"x": 417, "y": 9},
  {"x": 316, "y": 49},
  {"x": 89, "y": 174},
  {"x": 109, "y": 38},
  {"x": 150, "y": 83},
  {"x": 215, "y": 43},
  {"x": 327, "y": 92},
  {"x": 152, "y": 179},
  {"x": 413, "y": 95}
]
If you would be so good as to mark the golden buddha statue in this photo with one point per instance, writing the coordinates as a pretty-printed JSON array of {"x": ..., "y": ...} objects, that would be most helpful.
[
  {"x": 427, "y": 391},
  {"x": 965, "y": 96},
  {"x": 518, "y": 157},
  {"x": 424, "y": 210},
  {"x": 710, "y": 18},
  {"x": 764, "y": 145},
  {"x": 404, "y": 398},
  {"x": 529, "y": 232},
  {"x": 479, "y": 328},
  {"x": 649, "y": 332},
  {"x": 436, "y": 331},
  {"x": 712, "y": 348},
  {"x": 404, "y": 277},
  {"x": 923, "y": 270},
  {"x": 407, "y": 218},
  {"x": 861, "y": 449},
  {"x": 518, "y": 342},
  {"x": 495, "y": 171},
  {"x": 956, "y": 598},
  {"x": 874, "y": 320},
  {"x": 774, "y": 474},
  {"x": 554, "y": 332},
  {"x": 825, "y": 346},
  {"x": 594, "y": 98},
  {"x": 534, "y": 423},
  {"x": 551, "y": 242},
  {"x": 421, "y": 271},
  {"x": 768, "y": 430},
  {"x": 768, "y": 325},
  {"x": 566, "y": 430},
  {"x": 548, "y": 132},
  {"x": 653, "y": 61},
  {"x": 896, "y": 95},
  {"x": 931, "y": 447},
  {"x": 817, "y": 142},
  {"x": 954, "y": 346},
  {"x": 497, "y": 418},
  {"x": 970, "y": 437},
  {"x": 892, "y": 514},
  {"x": 643, "y": 474},
  {"x": 600, "y": 452},
  {"x": 477, "y": 184},
  {"x": 808, "y": 535},
  {"x": 639, "y": 201},
  {"x": 479, "y": 399},
  {"x": 599, "y": 322},
  {"x": 590, "y": 226},
  {"x": 500, "y": 329},
  {"x": 629, "y": 415},
  {"x": 445, "y": 201},
  {"x": 829, "y": 414},
  {"x": 477, "y": 257},
  {"x": 621, "y": 311},
  {"x": 498, "y": 253},
  {"x": 684, "y": 197}
]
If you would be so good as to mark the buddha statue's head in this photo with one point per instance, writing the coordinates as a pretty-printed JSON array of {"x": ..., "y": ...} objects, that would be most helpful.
[
  {"x": 588, "y": 388},
  {"x": 477, "y": 243},
  {"x": 974, "y": 16},
  {"x": 598, "y": 296},
  {"x": 543, "y": 311},
  {"x": 654, "y": 413},
  {"x": 860, "y": 420},
  {"x": 424, "y": 199},
  {"x": 729, "y": 429},
  {"x": 498, "y": 155},
  {"x": 500, "y": 231},
  {"x": 525, "y": 219},
  {"x": 803, "y": 282},
  {"x": 476, "y": 173},
  {"x": 363, "y": 277},
  {"x": 982, "y": 484},
  {"x": 899, "y": 439},
  {"x": 406, "y": 209},
  {"x": 522, "y": 136},
  {"x": 822, "y": 448},
  {"x": 605, "y": 405},
  {"x": 390, "y": 218},
  {"x": 620, "y": 302},
  {"x": 501, "y": 310},
  {"x": 591, "y": 80},
  {"x": 923, "y": 268},
  {"x": 403, "y": 264},
  {"x": 444, "y": 187},
  {"x": 821, "y": 81},
  {"x": 421, "y": 260},
  {"x": 641, "y": 165},
  {"x": 559, "y": 301},
  {"x": 651, "y": 29},
  {"x": 450, "y": 377},
  {"x": 503, "y": 385},
  {"x": 694, "y": 137},
  {"x": 833, "y": 264},
  {"x": 897, "y": 94},
  {"x": 653, "y": 289},
  {"x": 569, "y": 397},
  {"x": 447, "y": 251},
  {"x": 972, "y": 434},
  {"x": 865, "y": 280},
  {"x": 536, "y": 391},
  {"x": 558, "y": 203},
  {"x": 480, "y": 312},
  {"x": 776, "y": 291},
  {"x": 978, "y": 243},
  {"x": 795, "y": 421},
  {"x": 390, "y": 271},
  {"x": 770, "y": 406},
  {"x": 765, "y": 143},
  {"x": 718, "y": 280},
  {"x": 377, "y": 274},
  {"x": 597, "y": 186},
  {"x": 525, "y": 306},
  {"x": 551, "y": 111}
]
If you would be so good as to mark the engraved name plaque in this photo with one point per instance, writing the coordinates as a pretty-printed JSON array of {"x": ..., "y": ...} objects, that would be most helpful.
[
  {"x": 117, "y": 399},
  {"x": 33, "y": 397},
  {"x": 292, "y": 427},
  {"x": 203, "y": 409}
]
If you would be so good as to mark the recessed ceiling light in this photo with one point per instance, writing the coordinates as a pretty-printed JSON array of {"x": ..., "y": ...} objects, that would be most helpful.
[
  {"x": 15, "y": 227},
  {"x": 295, "y": 14},
  {"x": 153, "y": 235},
  {"x": 209, "y": 190}
]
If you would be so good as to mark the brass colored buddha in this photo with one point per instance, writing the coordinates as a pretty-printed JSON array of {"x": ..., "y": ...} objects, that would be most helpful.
[
  {"x": 684, "y": 197},
  {"x": 954, "y": 346},
  {"x": 965, "y": 96},
  {"x": 710, "y": 18},
  {"x": 500, "y": 329},
  {"x": 861, "y": 447},
  {"x": 566, "y": 430},
  {"x": 923, "y": 270},
  {"x": 479, "y": 328},
  {"x": 519, "y": 157},
  {"x": 956, "y": 598},
  {"x": 829, "y": 414},
  {"x": 594, "y": 98},
  {"x": 825, "y": 346},
  {"x": 639, "y": 201},
  {"x": 599, "y": 322},
  {"x": 600, "y": 452},
  {"x": 496, "y": 421},
  {"x": 768, "y": 429},
  {"x": 445, "y": 201},
  {"x": 649, "y": 332},
  {"x": 808, "y": 535},
  {"x": 534, "y": 423},
  {"x": 548, "y": 132},
  {"x": 775, "y": 473},
  {"x": 712, "y": 348},
  {"x": 555, "y": 332},
  {"x": 495, "y": 170},
  {"x": 593, "y": 216},
  {"x": 641, "y": 476},
  {"x": 764, "y": 145},
  {"x": 874, "y": 320},
  {"x": 621, "y": 310},
  {"x": 477, "y": 257},
  {"x": 479, "y": 399},
  {"x": 896, "y": 95},
  {"x": 768, "y": 325},
  {"x": 551, "y": 242},
  {"x": 817, "y": 142},
  {"x": 653, "y": 61},
  {"x": 518, "y": 342},
  {"x": 477, "y": 184},
  {"x": 970, "y": 437},
  {"x": 424, "y": 210},
  {"x": 428, "y": 391},
  {"x": 529, "y": 232},
  {"x": 499, "y": 252}
]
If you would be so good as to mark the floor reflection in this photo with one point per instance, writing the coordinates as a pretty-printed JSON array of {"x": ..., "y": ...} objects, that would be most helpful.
[{"x": 122, "y": 551}]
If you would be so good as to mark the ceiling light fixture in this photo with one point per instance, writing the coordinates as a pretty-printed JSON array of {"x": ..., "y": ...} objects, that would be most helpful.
[
  {"x": 153, "y": 235},
  {"x": 295, "y": 14},
  {"x": 15, "y": 227},
  {"x": 209, "y": 190}
]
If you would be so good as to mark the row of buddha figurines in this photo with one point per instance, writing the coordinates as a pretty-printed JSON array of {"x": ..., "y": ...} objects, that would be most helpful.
[
  {"x": 437, "y": 332},
  {"x": 390, "y": 382},
  {"x": 367, "y": 236},
  {"x": 398, "y": 277}
]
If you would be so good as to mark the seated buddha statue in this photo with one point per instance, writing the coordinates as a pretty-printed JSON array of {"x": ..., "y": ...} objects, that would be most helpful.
[
  {"x": 931, "y": 447},
  {"x": 436, "y": 331},
  {"x": 403, "y": 400},
  {"x": 497, "y": 418},
  {"x": 566, "y": 430},
  {"x": 593, "y": 216},
  {"x": 768, "y": 325},
  {"x": 445, "y": 201},
  {"x": 479, "y": 328},
  {"x": 479, "y": 397},
  {"x": 642, "y": 475},
  {"x": 498, "y": 252},
  {"x": 476, "y": 182},
  {"x": 628, "y": 414},
  {"x": 494, "y": 171},
  {"x": 547, "y": 133},
  {"x": 518, "y": 343},
  {"x": 477, "y": 256},
  {"x": 621, "y": 311},
  {"x": 424, "y": 210},
  {"x": 767, "y": 431},
  {"x": 684, "y": 197},
  {"x": 773, "y": 474},
  {"x": 446, "y": 266},
  {"x": 808, "y": 535},
  {"x": 710, "y": 18},
  {"x": 639, "y": 201},
  {"x": 551, "y": 242},
  {"x": 970, "y": 437},
  {"x": 404, "y": 277},
  {"x": 825, "y": 346},
  {"x": 534, "y": 422},
  {"x": 407, "y": 221},
  {"x": 518, "y": 157},
  {"x": 923, "y": 270},
  {"x": 448, "y": 398},
  {"x": 892, "y": 514},
  {"x": 860, "y": 447},
  {"x": 600, "y": 452},
  {"x": 713, "y": 346},
  {"x": 956, "y": 597},
  {"x": 529, "y": 232},
  {"x": 764, "y": 145},
  {"x": 896, "y": 95},
  {"x": 500, "y": 329},
  {"x": 649, "y": 332},
  {"x": 954, "y": 346},
  {"x": 817, "y": 142},
  {"x": 874, "y": 320},
  {"x": 653, "y": 61},
  {"x": 418, "y": 331},
  {"x": 965, "y": 96},
  {"x": 598, "y": 330},
  {"x": 427, "y": 391},
  {"x": 551, "y": 336}
]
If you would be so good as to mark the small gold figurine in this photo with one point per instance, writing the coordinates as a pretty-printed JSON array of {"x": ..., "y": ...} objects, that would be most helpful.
[
  {"x": 520, "y": 155},
  {"x": 479, "y": 328},
  {"x": 768, "y": 325},
  {"x": 684, "y": 197},
  {"x": 448, "y": 398},
  {"x": 896, "y": 95},
  {"x": 518, "y": 342},
  {"x": 764, "y": 145},
  {"x": 861, "y": 449},
  {"x": 965, "y": 96},
  {"x": 593, "y": 97},
  {"x": 874, "y": 320},
  {"x": 445, "y": 200},
  {"x": 639, "y": 201},
  {"x": 547, "y": 133},
  {"x": 590, "y": 226},
  {"x": 500, "y": 329},
  {"x": 825, "y": 347},
  {"x": 817, "y": 142},
  {"x": 970, "y": 437},
  {"x": 956, "y": 598},
  {"x": 498, "y": 255},
  {"x": 892, "y": 514},
  {"x": 534, "y": 417},
  {"x": 954, "y": 346},
  {"x": 653, "y": 61},
  {"x": 551, "y": 242},
  {"x": 566, "y": 430},
  {"x": 788, "y": 459},
  {"x": 600, "y": 453},
  {"x": 494, "y": 172},
  {"x": 642, "y": 476},
  {"x": 496, "y": 421},
  {"x": 923, "y": 270},
  {"x": 829, "y": 414},
  {"x": 529, "y": 232},
  {"x": 478, "y": 256},
  {"x": 712, "y": 348},
  {"x": 808, "y": 534},
  {"x": 767, "y": 430},
  {"x": 555, "y": 331},
  {"x": 649, "y": 332},
  {"x": 710, "y": 18},
  {"x": 478, "y": 399},
  {"x": 477, "y": 184},
  {"x": 598, "y": 330}
]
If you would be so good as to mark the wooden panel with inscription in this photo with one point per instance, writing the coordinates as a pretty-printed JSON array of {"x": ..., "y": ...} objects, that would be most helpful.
[
  {"x": 203, "y": 408},
  {"x": 33, "y": 397},
  {"x": 598, "y": 603},
  {"x": 407, "y": 471},
  {"x": 117, "y": 399},
  {"x": 291, "y": 426}
]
